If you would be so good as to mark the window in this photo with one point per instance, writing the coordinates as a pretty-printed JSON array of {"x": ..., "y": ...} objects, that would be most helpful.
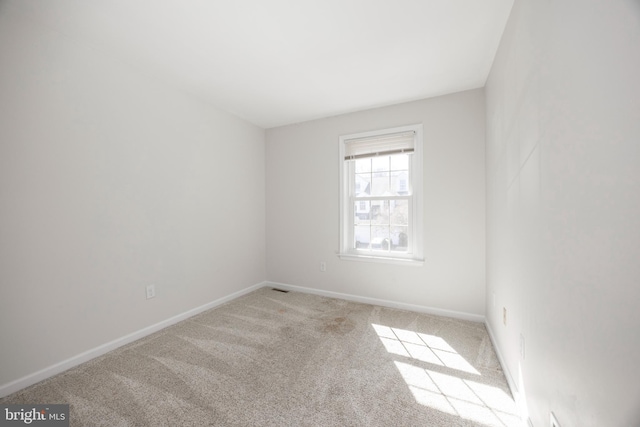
[{"x": 381, "y": 195}]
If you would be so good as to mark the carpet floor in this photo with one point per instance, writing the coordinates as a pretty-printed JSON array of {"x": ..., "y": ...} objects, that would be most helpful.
[{"x": 291, "y": 359}]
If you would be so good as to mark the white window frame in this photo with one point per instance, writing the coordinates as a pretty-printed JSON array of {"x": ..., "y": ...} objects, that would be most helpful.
[{"x": 414, "y": 255}]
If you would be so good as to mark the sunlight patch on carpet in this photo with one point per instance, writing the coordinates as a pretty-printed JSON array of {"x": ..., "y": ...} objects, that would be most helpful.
[
  {"x": 423, "y": 347},
  {"x": 448, "y": 393},
  {"x": 467, "y": 399}
]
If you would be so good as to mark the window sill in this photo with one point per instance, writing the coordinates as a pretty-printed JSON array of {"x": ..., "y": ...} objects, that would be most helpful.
[{"x": 381, "y": 259}]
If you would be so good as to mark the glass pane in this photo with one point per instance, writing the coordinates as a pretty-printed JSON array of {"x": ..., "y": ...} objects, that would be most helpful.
[
  {"x": 380, "y": 240},
  {"x": 363, "y": 184},
  {"x": 380, "y": 164},
  {"x": 362, "y": 236},
  {"x": 400, "y": 162},
  {"x": 380, "y": 184},
  {"x": 363, "y": 165},
  {"x": 380, "y": 212},
  {"x": 362, "y": 212},
  {"x": 400, "y": 183},
  {"x": 399, "y": 239},
  {"x": 399, "y": 212}
]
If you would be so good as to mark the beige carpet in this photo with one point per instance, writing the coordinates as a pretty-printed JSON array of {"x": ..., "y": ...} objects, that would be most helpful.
[{"x": 291, "y": 359}]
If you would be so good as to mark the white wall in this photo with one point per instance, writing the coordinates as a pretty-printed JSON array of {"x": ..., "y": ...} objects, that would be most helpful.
[
  {"x": 563, "y": 184},
  {"x": 109, "y": 181},
  {"x": 303, "y": 206}
]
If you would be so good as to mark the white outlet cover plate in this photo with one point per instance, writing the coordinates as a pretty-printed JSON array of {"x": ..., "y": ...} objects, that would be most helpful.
[{"x": 151, "y": 291}]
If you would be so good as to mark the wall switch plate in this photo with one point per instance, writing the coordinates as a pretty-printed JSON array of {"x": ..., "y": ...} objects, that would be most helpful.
[
  {"x": 151, "y": 291},
  {"x": 553, "y": 422},
  {"x": 504, "y": 315},
  {"x": 323, "y": 266}
]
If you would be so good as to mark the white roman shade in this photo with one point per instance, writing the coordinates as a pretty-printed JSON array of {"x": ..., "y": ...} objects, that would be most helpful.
[{"x": 379, "y": 145}]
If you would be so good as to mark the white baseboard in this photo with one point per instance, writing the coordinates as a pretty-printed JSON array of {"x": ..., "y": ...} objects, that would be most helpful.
[
  {"x": 64, "y": 365},
  {"x": 385, "y": 303},
  {"x": 513, "y": 386}
]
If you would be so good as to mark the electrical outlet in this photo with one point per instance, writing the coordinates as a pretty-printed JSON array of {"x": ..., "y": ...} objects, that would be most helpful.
[
  {"x": 553, "y": 422},
  {"x": 522, "y": 346},
  {"x": 504, "y": 315},
  {"x": 151, "y": 291},
  {"x": 323, "y": 266}
]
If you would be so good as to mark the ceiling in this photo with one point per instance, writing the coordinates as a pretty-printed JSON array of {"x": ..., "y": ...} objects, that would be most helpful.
[{"x": 277, "y": 62}]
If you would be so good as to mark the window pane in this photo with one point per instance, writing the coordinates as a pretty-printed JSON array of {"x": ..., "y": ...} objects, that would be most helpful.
[
  {"x": 380, "y": 240},
  {"x": 380, "y": 184},
  {"x": 399, "y": 239},
  {"x": 400, "y": 183},
  {"x": 362, "y": 236},
  {"x": 362, "y": 212},
  {"x": 380, "y": 212},
  {"x": 380, "y": 164},
  {"x": 399, "y": 212},
  {"x": 363, "y": 165},
  {"x": 363, "y": 184},
  {"x": 400, "y": 162}
]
